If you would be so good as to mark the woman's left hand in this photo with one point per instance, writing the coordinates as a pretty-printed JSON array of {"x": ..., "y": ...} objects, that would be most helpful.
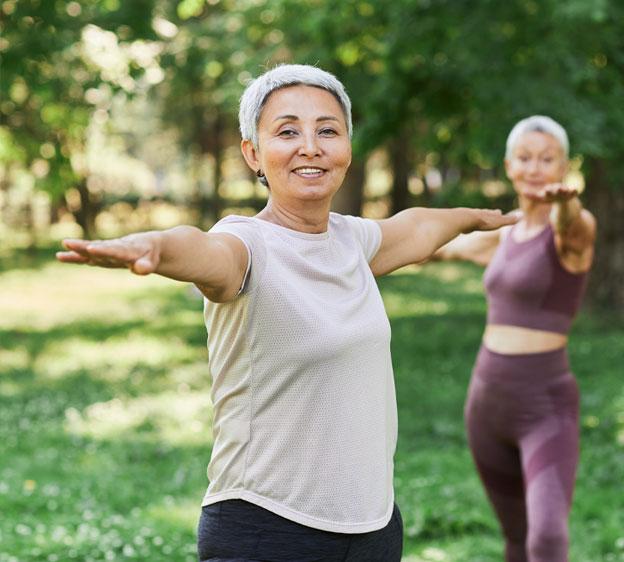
[
  {"x": 553, "y": 193},
  {"x": 488, "y": 219}
]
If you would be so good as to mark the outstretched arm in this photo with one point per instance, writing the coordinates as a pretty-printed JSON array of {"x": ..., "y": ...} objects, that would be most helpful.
[
  {"x": 574, "y": 226},
  {"x": 216, "y": 263},
  {"x": 414, "y": 235},
  {"x": 477, "y": 247}
]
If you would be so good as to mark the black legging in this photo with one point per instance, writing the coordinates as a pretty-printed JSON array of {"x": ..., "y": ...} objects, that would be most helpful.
[
  {"x": 238, "y": 531},
  {"x": 522, "y": 422}
]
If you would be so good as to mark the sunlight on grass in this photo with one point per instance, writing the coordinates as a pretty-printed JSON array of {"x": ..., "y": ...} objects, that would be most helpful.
[
  {"x": 175, "y": 418},
  {"x": 114, "y": 359},
  {"x": 397, "y": 306},
  {"x": 12, "y": 359},
  {"x": 184, "y": 514},
  {"x": 59, "y": 294},
  {"x": 428, "y": 555}
]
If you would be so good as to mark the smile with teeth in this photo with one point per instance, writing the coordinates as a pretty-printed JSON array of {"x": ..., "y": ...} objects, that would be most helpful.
[{"x": 308, "y": 172}]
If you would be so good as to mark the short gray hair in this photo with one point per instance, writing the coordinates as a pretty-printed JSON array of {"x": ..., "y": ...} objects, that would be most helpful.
[
  {"x": 258, "y": 91},
  {"x": 539, "y": 124}
]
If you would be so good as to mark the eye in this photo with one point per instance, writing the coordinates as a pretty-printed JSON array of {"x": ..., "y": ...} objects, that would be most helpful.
[
  {"x": 287, "y": 133},
  {"x": 328, "y": 132}
]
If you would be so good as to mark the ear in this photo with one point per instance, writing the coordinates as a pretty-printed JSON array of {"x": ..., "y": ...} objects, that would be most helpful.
[
  {"x": 250, "y": 154},
  {"x": 507, "y": 166}
]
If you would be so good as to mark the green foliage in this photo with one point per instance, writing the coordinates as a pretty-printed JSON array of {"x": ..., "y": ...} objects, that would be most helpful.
[
  {"x": 457, "y": 75},
  {"x": 47, "y": 76},
  {"x": 104, "y": 416}
]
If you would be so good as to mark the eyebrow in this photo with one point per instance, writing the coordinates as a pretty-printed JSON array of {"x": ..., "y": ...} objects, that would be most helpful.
[{"x": 295, "y": 118}]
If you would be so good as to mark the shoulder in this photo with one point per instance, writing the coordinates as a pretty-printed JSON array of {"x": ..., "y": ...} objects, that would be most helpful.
[
  {"x": 353, "y": 222},
  {"x": 233, "y": 220},
  {"x": 246, "y": 228},
  {"x": 502, "y": 234},
  {"x": 367, "y": 232}
]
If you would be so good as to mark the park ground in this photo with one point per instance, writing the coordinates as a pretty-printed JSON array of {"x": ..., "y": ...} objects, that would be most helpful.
[{"x": 105, "y": 416}]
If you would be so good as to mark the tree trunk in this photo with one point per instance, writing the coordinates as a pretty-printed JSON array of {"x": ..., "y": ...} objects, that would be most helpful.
[
  {"x": 85, "y": 216},
  {"x": 216, "y": 203},
  {"x": 349, "y": 198},
  {"x": 5, "y": 184},
  {"x": 401, "y": 167},
  {"x": 54, "y": 211},
  {"x": 211, "y": 142},
  {"x": 606, "y": 202}
]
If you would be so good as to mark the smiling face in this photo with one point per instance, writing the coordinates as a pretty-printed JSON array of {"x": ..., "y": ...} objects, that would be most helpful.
[
  {"x": 303, "y": 144},
  {"x": 537, "y": 160}
]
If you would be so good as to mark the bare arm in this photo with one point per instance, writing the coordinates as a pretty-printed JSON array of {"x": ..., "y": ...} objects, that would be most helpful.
[
  {"x": 477, "y": 247},
  {"x": 414, "y": 235},
  {"x": 574, "y": 226},
  {"x": 216, "y": 263}
]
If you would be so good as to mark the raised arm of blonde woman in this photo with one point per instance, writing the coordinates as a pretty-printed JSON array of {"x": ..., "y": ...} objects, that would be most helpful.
[{"x": 574, "y": 226}]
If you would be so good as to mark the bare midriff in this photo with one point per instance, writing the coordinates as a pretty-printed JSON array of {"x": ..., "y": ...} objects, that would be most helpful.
[{"x": 512, "y": 340}]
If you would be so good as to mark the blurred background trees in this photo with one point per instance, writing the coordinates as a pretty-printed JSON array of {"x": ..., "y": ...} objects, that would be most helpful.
[{"x": 116, "y": 116}]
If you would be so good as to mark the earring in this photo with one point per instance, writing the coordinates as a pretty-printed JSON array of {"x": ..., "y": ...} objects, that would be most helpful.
[{"x": 262, "y": 178}]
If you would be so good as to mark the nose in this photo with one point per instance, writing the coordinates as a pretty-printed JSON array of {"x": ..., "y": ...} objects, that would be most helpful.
[
  {"x": 533, "y": 165},
  {"x": 309, "y": 145}
]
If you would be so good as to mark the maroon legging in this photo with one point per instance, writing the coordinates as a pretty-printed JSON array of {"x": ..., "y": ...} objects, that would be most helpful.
[{"x": 522, "y": 423}]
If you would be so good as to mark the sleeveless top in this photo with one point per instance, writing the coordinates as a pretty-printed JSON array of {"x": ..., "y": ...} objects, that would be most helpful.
[
  {"x": 304, "y": 405},
  {"x": 527, "y": 286}
]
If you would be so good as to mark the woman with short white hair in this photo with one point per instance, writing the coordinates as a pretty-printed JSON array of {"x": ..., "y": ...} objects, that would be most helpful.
[
  {"x": 305, "y": 420},
  {"x": 522, "y": 406}
]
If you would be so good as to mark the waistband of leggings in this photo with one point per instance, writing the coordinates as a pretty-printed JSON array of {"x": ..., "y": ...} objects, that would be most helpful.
[{"x": 537, "y": 365}]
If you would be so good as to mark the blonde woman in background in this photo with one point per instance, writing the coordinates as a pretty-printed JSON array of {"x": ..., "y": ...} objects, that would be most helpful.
[{"x": 522, "y": 406}]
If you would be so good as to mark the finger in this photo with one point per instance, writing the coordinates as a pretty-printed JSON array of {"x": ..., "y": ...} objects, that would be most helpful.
[
  {"x": 112, "y": 251},
  {"x": 76, "y": 244},
  {"x": 533, "y": 195},
  {"x": 509, "y": 219},
  {"x": 564, "y": 189},
  {"x": 493, "y": 219},
  {"x": 108, "y": 262},
  {"x": 71, "y": 257}
]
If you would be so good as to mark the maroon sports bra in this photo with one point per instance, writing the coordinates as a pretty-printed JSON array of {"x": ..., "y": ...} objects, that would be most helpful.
[{"x": 527, "y": 286}]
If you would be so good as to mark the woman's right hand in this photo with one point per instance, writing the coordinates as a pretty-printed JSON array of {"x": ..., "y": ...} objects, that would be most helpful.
[
  {"x": 216, "y": 263},
  {"x": 138, "y": 252}
]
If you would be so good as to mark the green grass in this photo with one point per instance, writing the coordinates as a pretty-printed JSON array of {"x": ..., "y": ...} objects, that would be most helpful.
[{"x": 105, "y": 418}]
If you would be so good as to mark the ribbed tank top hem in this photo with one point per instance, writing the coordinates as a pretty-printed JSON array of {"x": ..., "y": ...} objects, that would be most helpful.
[
  {"x": 515, "y": 318},
  {"x": 298, "y": 517}
]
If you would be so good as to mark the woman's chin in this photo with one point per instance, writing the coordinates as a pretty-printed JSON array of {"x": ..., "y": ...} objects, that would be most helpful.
[{"x": 313, "y": 191}]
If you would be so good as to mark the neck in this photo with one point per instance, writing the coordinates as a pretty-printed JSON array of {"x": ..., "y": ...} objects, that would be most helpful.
[
  {"x": 304, "y": 217},
  {"x": 534, "y": 213}
]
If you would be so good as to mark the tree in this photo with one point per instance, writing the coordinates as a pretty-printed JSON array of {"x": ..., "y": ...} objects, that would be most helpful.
[{"x": 52, "y": 85}]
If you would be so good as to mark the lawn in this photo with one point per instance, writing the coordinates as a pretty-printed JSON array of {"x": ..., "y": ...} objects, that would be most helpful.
[{"x": 105, "y": 417}]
